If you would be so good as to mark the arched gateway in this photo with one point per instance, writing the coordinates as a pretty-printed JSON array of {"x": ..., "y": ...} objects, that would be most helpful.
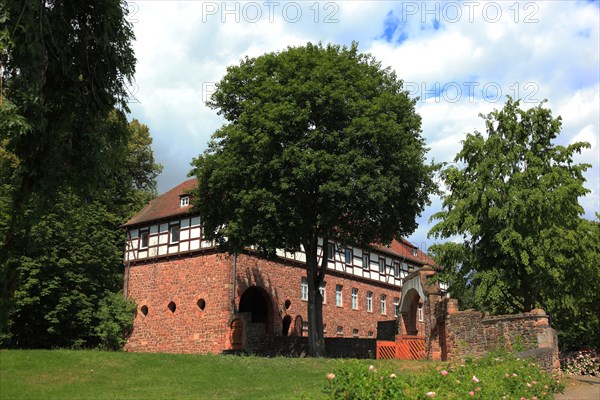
[{"x": 256, "y": 318}]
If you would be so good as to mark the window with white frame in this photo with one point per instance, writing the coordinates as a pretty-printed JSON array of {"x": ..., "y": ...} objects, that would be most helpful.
[
  {"x": 338, "y": 296},
  {"x": 396, "y": 306},
  {"x": 304, "y": 289},
  {"x": 382, "y": 301},
  {"x": 366, "y": 261},
  {"x": 396, "y": 269},
  {"x": 382, "y": 265},
  {"x": 143, "y": 239},
  {"x": 420, "y": 312},
  {"x": 184, "y": 201},
  {"x": 322, "y": 291},
  {"x": 354, "y": 298},
  {"x": 174, "y": 233},
  {"x": 355, "y": 332},
  {"x": 348, "y": 256},
  {"x": 330, "y": 251},
  {"x": 369, "y": 301}
]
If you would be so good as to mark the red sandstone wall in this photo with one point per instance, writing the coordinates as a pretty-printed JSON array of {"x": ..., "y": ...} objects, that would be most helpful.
[
  {"x": 209, "y": 277},
  {"x": 183, "y": 281}
]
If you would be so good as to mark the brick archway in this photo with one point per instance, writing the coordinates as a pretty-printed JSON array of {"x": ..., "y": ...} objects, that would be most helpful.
[{"x": 258, "y": 304}]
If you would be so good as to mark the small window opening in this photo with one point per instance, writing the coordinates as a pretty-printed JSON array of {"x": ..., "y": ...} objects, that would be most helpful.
[
  {"x": 144, "y": 310},
  {"x": 287, "y": 304},
  {"x": 172, "y": 307},
  {"x": 184, "y": 201},
  {"x": 201, "y": 304},
  {"x": 340, "y": 330}
]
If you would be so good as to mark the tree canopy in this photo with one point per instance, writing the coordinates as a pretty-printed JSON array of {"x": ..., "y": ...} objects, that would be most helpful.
[
  {"x": 515, "y": 205},
  {"x": 320, "y": 142}
]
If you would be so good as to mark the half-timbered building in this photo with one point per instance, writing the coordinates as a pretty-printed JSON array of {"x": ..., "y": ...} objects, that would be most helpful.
[{"x": 193, "y": 299}]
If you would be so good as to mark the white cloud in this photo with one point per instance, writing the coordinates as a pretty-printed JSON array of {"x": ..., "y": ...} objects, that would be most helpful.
[{"x": 546, "y": 50}]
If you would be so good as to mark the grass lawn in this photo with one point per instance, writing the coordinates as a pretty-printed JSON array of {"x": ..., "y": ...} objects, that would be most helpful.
[{"x": 71, "y": 374}]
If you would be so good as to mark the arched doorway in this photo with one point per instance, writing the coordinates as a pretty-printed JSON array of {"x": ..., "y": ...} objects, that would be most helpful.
[
  {"x": 412, "y": 314},
  {"x": 257, "y": 302}
]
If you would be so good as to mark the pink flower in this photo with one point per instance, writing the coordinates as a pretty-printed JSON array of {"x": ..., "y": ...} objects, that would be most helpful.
[
  {"x": 534, "y": 398},
  {"x": 477, "y": 389},
  {"x": 444, "y": 372},
  {"x": 371, "y": 368},
  {"x": 393, "y": 376},
  {"x": 471, "y": 393},
  {"x": 475, "y": 379},
  {"x": 528, "y": 384},
  {"x": 506, "y": 375},
  {"x": 533, "y": 382},
  {"x": 430, "y": 394},
  {"x": 330, "y": 376}
]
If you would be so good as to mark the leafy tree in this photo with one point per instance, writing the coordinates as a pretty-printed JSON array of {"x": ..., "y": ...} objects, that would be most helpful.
[
  {"x": 115, "y": 315},
  {"x": 515, "y": 203},
  {"x": 66, "y": 65},
  {"x": 320, "y": 142}
]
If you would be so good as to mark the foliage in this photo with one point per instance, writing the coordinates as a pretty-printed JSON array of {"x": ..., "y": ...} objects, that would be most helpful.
[
  {"x": 115, "y": 315},
  {"x": 320, "y": 142},
  {"x": 585, "y": 362},
  {"x": 74, "y": 253},
  {"x": 496, "y": 376},
  {"x": 515, "y": 203}
]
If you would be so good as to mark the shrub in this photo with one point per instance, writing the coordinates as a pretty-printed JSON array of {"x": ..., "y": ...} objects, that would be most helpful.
[
  {"x": 496, "y": 376},
  {"x": 585, "y": 362},
  {"x": 115, "y": 316}
]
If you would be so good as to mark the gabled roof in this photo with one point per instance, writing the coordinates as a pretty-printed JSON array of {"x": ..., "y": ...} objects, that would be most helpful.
[
  {"x": 167, "y": 205},
  {"x": 164, "y": 206}
]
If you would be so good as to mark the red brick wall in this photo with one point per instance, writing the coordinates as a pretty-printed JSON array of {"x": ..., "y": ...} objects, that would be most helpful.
[{"x": 186, "y": 280}]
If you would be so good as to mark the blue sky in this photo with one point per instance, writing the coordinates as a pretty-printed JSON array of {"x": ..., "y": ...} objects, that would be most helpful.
[{"x": 460, "y": 58}]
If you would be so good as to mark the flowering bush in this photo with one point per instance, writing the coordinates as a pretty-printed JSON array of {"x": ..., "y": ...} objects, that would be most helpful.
[
  {"x": 585, "y": 362},
  {"x": 496, "y": 376}
]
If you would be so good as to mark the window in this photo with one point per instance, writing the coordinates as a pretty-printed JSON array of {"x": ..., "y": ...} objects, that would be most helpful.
[
  {"x": 354, "y": 298},
  {"x": 143, "y": 239},
  {"x": 330, "y": 251},
  {"x": 338, "y": 295},
  {"x": 396, "y": 306},
  {"x": 420, "y": 312},
  {"x": 184, "y": 201},
  {"x": 348, "y": 256},
  {"x": 340, "y": 330},
  {"x": 382, "y": 265},
  {"x": 304, "y": 289},
  {"x": 174, "y": 233},
  {"x": 355, "y": 332},
  {"x": 366, "y": 261},
  {"x": 414, "y": 251},
  {"x": 322, "y": 290},
  {"x": 370, "y": 334},
  {"x": 382, "y": 304},
  {"x": 396, "y": 269},
  {"x": 369, "y": 301}
]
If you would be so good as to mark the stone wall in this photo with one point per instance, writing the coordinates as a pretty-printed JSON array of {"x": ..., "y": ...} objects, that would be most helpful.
[
  {"x": 290, "y": 346},
  {"x": 474, "y": 333}
]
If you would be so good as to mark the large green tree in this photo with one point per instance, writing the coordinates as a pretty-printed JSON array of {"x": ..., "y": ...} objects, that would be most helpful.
[
  {"x": 65, "y": 67},
  {"x": 320, "y": 142},
  {"x": 515, "y": 205},
  {"x": 75, "y": 252}
]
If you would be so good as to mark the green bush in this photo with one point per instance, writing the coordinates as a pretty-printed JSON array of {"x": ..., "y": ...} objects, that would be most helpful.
[
  {"x": 115, "y": 316},
  {"x": 496, "y": 376}
]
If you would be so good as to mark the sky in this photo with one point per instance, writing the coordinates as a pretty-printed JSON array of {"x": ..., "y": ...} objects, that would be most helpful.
[{"x": 459, "y": 58}]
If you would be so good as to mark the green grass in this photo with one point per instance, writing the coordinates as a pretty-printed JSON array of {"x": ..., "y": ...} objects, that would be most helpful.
[{"x": 71, "y": 374}]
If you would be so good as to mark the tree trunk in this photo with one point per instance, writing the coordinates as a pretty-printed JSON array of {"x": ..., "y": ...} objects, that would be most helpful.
[{"x": 316, "y": 341}]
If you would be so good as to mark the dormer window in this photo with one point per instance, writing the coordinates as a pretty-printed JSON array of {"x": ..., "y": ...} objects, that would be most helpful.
[
  {"x": 414, "y": 251},
  {"x": 184, "y": 201}
]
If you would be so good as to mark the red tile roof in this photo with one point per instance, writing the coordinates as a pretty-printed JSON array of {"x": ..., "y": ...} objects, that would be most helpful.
[
  {"x": 164, "y": 206},
  {"x": 167, "y": 205}
]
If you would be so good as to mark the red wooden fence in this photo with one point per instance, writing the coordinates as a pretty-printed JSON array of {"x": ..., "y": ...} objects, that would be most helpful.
[{"x": 403, "y": 348}]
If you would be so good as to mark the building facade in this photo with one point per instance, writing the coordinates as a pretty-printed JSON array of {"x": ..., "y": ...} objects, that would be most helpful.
[{"x": 193, "y": 299}]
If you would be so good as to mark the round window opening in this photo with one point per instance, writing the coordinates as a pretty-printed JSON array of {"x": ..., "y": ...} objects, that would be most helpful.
[
  {"x": 172, "y": 307},
  {"x": 144, "y": 310},
  {"x": 287, "y": 304},
  {"x": 201, "y": 304}
]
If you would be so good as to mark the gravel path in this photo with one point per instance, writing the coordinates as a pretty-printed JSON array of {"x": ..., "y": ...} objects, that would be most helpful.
[{"x": 581, "y": 388}]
